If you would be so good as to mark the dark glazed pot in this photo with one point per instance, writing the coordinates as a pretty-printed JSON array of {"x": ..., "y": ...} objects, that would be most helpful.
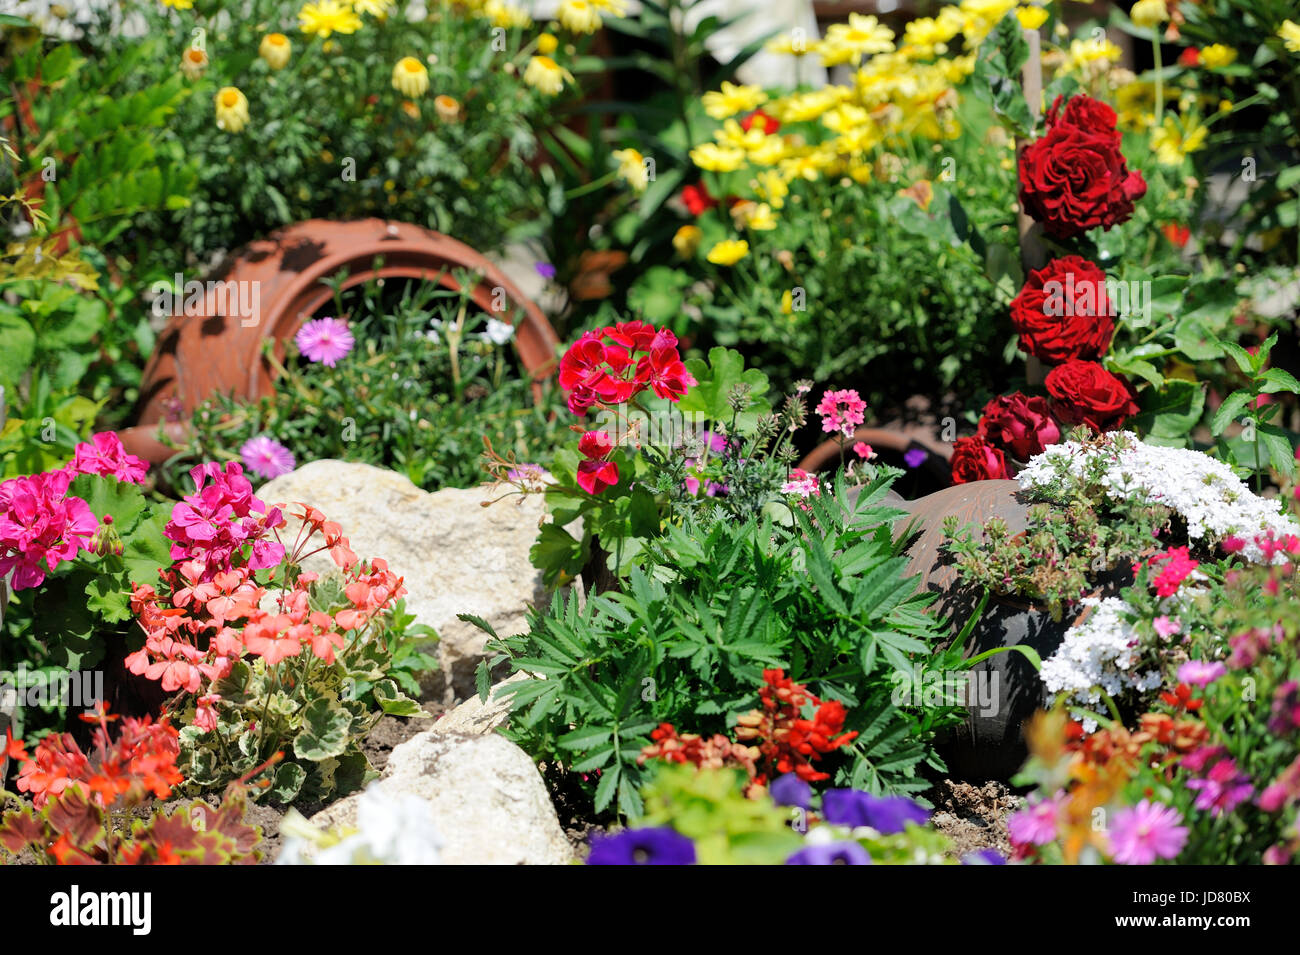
[
  {"x": 990, "y": 745},
  {"x": 216, "y": 352}
]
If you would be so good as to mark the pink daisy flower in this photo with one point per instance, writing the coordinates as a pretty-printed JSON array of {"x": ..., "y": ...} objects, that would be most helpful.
[
  {"x": 1147, "y": 832},
  {"x": 325, "y": 340},
  {"x": 1035, "y": 825},
  {"x": 267, "y": 457},
  {"x": 1200, "y": 672}
]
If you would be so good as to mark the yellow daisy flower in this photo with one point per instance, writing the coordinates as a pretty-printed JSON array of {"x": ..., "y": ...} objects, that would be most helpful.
[
  {"x": 379, "y": 9},
  {"x": 194, "y": 63},
  {"x": 232, "y": 109},
  {"x": 579, "y": 16},
  {"x": 275, "y": 49},
  {"x": 544, "y": 74},
  {"x": 1289, "y": 31},
  {"x": 410, "y": 78},
  {"x": 1217, "y": 55},
  {"x": 732, "y": 99},
  {"x": 686, "y": 241},
  {"x": 327, "y": 17},
  {"x": 714, "y": 158},
  {"x": 1172, "y": 141},
  {"x": 760, "y": 218},
  {"x": 632, "y": 168}
]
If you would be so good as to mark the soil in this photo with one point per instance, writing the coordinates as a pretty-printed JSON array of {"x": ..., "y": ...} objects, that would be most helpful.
[{"x": 974, "y": 816}]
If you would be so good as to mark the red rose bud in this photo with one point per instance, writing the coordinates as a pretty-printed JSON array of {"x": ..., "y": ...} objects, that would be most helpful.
[
  {"x": 973, "y": 459},
  {"x": 1063, "y": 311},
  {"x": 1086, "y": 393},
  {"x": 1019, "y": 425}
]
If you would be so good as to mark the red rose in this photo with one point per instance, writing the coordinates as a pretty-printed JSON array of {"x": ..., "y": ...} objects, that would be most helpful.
[
  {"x": 697, "y": 199},
  {"x": 1084, "y": 112},
  {"x": 1075, "y": 178},
  {"x": 1063, "y": 312},
  {"x": 975, "y": 460},
  {"x": 1019, "y": 425},
  {"x": 1086, "y": 393}
]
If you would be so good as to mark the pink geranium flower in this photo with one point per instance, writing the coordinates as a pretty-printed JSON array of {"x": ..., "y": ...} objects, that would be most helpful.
[
  {"x": 40, "y": 527},
  {"x": 104, "y": 455},
  {"x": 267, "y": 457},
  {"x": 1200, "y": 672},
  {"x": 1145, "y": 833},
  {"x": 325, "y": 340}
]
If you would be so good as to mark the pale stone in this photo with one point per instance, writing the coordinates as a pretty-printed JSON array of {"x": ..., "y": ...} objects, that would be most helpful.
[{"x": 485, "y": 797}]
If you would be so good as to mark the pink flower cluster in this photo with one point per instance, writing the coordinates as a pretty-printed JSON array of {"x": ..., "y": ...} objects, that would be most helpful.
[
  {"x": 199, "y": 624},
  {"x": 612, "y": 365},
  {"x": 1175, "y": 566},
  {"x": 222, "y": 523},
  {"x": 842, "y": 411},
  {"x": 1223, "y": 787},
  {"x": 40, "y": 526}
]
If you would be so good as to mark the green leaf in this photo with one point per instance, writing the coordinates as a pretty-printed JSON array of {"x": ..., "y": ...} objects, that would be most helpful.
[
  {"x": 1275, "y": 380},
  {"x": 997, "y": 74},
  {"x": 724, "y": 370},
  {"x": 1172, "y": 411},
  {"x": 287, "y": 782},
  {"x": 107, "y": 596},
  {"x": 19, "y": 348},
  {"x": 1194, "y": 339},
  {"x": 1280, "y": 449},
  {"x": 394, "y": 702},
  {"x": 123, "y": 500},
  {"x": 1232, "y": 406},
  {"x": 324, "y": 730}
]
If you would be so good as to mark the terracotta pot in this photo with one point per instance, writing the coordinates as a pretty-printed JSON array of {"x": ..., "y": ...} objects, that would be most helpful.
[
  {"x": 990, "y": 745},
  {"x": 220, "y": 351}
]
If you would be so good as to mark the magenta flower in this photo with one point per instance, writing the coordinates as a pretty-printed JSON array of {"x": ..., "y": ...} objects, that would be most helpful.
[
  {"x": 1223, "y": 789},
  {"x": 222, "y": 524},
  {"x": 105, "y": 456},
  {"x": 802, "y": 483},
  {"x": 864, "y": 451},
  {"x": 40, "y": 527},
  {"x": 842, "y": 411},
  {"x": 1145, "y": 833},
  {"x": 325, "y": 340},
  {"x": 267, "y": 457},
  {"x": 1035, "y": 825},
  {"x": 1200, "y": 672}
]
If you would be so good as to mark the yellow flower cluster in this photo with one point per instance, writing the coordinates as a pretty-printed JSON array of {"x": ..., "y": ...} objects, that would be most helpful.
[{"x": 584, "y": 16}]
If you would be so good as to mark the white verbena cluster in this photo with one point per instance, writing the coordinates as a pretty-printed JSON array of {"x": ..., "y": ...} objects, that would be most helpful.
[
  {"x": 1211, "y": 499},
  {"x": 1100, "y": 654},
  {"x": 391, "y": 829}
]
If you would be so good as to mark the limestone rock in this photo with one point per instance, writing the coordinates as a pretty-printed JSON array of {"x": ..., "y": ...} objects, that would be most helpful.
[
  {"x": 484, "y": 794},
  {"x": 456, "y": 556}
]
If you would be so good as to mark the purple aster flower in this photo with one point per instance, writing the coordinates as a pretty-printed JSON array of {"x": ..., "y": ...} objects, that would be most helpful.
[
  {"x": 1035, "y": 825},
  {"x": 1200, "y": 673},
  {"x": 915, "y": 457},
  {"x": 266, "y": 457},
  {"x": 656, "y": 846},
  {"x": 1145, "y": 833},
  {"x": 836, "y": 853},
  {"x": 983, "y": 857},
  {"x": 790, "y": 790},
  {"x": 886, "y": 814},
  {"x": 325, "y": 340},
  {"x": 545, "y": 269}
]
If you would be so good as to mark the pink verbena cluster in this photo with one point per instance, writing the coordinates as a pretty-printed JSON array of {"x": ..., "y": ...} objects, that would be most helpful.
[
  {"x": 842, "y": 411},
  {"x": 222, "y": 524},
  {"x": 1175, "y": 566}
]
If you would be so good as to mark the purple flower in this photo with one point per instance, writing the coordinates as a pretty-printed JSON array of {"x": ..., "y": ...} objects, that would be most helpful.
[
  {"x": 836, "y": 853},
  {"x": 915, "y": 457},
  {"x": 790, "y": 790},
  {"x": 545, "y": 269},
  {"x": 1035, "y": 825},
  {"x": 267, "y": 457},
  {"x": 325, "y": 340},
  {"x": 1146, "y": 832},
  {"x": 1223, "y": 789},
  {"x": 983, "y": 857},
  {"x": 886, "y": 814},
  {"x": 656, "y": 846},
  {"x": 1200, "y": 673}
]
